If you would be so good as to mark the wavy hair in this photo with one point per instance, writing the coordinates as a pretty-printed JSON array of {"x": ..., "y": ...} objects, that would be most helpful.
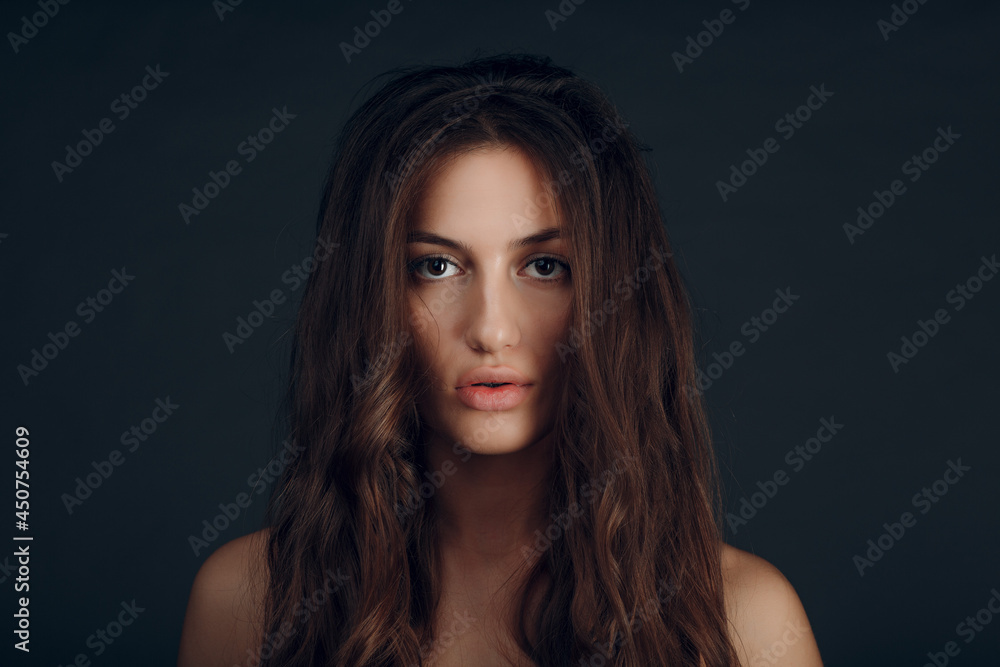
[{"x": 636, "y": 577}]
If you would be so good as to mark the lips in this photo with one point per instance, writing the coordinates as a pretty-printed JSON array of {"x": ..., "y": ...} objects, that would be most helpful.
[
  {"x": 493, "y": 399},
  {"x": 492, "y": 389},
  {"x": 497, "y": 375}
]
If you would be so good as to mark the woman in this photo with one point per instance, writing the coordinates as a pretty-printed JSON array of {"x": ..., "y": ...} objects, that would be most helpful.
[{"x": 501, "y": 462}]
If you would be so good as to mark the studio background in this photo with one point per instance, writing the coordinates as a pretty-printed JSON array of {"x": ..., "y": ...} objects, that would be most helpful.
[{"x": 216, "y": 76}]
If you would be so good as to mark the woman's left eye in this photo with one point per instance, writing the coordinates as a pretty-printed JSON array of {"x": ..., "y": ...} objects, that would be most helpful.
[{"x": 550, "y": 268}]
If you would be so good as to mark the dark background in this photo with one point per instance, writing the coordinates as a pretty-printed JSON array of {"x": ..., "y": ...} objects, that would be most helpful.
[{"x": 826, "y": 357}]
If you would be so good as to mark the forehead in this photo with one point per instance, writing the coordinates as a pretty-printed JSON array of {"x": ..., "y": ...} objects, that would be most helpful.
[{"x": 498, "y": 189}]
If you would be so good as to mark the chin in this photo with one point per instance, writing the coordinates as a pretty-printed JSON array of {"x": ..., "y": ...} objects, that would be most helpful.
[{"x": 490, "y": 432}]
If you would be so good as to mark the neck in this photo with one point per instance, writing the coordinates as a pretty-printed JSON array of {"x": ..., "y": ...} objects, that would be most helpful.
[{"x": 489, "y": 505}]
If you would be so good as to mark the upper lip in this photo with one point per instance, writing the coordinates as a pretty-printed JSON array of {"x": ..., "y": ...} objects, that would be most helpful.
[{"x": 493, "y": 375}]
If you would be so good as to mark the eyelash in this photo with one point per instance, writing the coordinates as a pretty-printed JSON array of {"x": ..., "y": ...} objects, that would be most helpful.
[{"x": 413, "y": 266}]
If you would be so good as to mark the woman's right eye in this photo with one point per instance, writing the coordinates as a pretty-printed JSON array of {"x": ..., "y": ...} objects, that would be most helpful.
[{"x": 436, "y": 265}]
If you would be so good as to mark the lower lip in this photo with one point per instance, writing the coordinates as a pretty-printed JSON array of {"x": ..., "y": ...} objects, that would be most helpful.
[{"x": 493, "y": 399}]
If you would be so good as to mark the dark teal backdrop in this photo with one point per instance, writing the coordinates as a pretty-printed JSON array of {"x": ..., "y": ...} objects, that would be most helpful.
[{"x": 828, "y": 175}]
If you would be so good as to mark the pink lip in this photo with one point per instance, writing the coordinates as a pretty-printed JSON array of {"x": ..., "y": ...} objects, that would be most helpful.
[
  {"x": 493, "y": 399},
  {"x": 492, "y": 374},
  {"x": 505, "y": 397}
]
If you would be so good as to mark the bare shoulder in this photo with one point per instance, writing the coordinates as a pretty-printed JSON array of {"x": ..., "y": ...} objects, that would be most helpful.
[
  {"x": 224, "y": 608},
  {"x": 768, "y": 623}
]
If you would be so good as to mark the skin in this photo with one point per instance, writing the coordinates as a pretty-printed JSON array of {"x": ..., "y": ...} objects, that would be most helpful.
[
  {"x": 490, "y": 286},
  {"x": 489, "y": 305},
  {"x": 485, "y": 310}
]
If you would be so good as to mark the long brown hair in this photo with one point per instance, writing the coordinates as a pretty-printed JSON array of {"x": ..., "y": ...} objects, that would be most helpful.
[{"x": 635, "y": 576}]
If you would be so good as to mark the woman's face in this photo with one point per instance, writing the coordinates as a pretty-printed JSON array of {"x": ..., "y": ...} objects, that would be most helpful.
[{"x": 490, "y": 293}]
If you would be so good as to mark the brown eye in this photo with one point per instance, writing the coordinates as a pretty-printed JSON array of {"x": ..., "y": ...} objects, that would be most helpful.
[
  {"x": 545, "y": 266},
  {"x": 548, "y": 269},
  {"x": 431, "y": 268},
  {"x": 437, "y": 266}
]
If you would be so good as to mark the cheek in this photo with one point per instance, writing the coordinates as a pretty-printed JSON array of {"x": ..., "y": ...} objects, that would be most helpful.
[
  {"x": 427, "y": 320},
  {"x": 430, "y": 306},
  {"x": 419, "y": 318},
  {"x": 423, "y": 336},
  {"x": 550, "y": 328},
  {"x": 548, "y": 318},
  {"x": 425, "y": 311}
]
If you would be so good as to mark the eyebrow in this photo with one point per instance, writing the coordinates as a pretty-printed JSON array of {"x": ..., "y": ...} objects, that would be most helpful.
[{"x": 546, "y": 234}]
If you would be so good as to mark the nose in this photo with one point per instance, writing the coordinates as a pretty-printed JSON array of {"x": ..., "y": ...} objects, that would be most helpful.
[{"x": 492, "y": 307}]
